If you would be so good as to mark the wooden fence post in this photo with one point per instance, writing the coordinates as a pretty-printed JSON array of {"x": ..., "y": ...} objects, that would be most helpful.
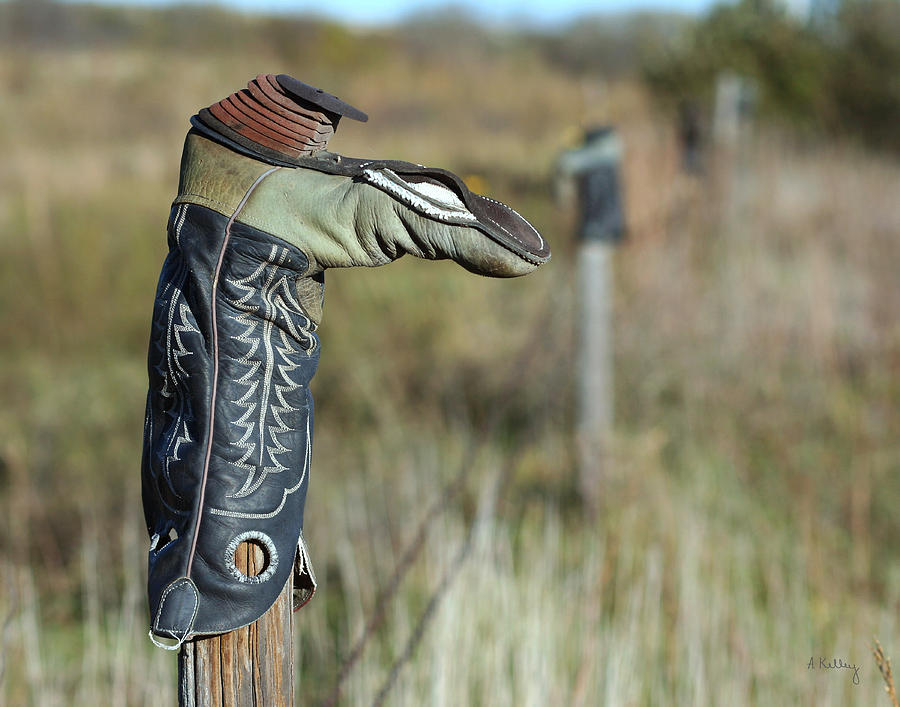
[
  {"x": 595, "y": 367},
  {"x": 253, "y": 665},
  {"x": 595, "y": 166}
]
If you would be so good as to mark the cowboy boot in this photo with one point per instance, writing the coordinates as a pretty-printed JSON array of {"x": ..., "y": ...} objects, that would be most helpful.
[{"x": 262, "y": 211}]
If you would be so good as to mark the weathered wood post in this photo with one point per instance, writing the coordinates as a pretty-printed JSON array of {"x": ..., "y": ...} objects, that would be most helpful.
[
  {"x": 253, "y": 665},
  {"x": 595, "y": 166}
]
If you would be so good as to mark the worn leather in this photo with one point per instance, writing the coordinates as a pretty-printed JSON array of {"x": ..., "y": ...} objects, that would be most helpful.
[
  {"x": 279, "y": 114},
  {"x": 233, "y": 349}
]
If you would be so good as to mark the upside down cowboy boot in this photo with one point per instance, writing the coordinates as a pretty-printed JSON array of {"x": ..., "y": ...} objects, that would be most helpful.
[{"x": 262, "y": 210}]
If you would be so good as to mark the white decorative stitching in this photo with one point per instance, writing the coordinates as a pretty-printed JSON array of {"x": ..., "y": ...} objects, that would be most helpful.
[
  {"x": 279, "y": 304},
  {"x": 177, "y": 354},
  {"x": 509, "y": 208},
  {"x": 179, "y": 222},
  {"x": 524, "y": 256},
  {"x": 245, "y": 401},
  {"x": 172, "y": 371},
  {"x": 285, "y": 493}
]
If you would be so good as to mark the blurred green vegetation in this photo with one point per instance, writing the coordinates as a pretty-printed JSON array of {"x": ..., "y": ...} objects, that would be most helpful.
[
  {"x": 835, "y": 73},
  {"x": 751, "y": 513}
]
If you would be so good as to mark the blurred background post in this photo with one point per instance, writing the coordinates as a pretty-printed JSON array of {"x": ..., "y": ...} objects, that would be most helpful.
[{"x": 595, "y": 166}]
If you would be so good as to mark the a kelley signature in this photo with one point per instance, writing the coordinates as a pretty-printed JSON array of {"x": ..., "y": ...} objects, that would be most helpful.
[{"x": 834, "y": 664}]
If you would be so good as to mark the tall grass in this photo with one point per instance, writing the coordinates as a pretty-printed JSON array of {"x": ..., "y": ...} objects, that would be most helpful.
[{"x": 751, "y": 520}]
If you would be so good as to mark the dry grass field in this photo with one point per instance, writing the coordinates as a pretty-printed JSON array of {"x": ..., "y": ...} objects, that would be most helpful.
[{"x": 750, "y": 521}]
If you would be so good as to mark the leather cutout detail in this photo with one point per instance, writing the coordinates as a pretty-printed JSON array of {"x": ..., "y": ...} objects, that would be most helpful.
[
  {"x": 270, "y": 552},
  {"x": 427, "y": 197}
]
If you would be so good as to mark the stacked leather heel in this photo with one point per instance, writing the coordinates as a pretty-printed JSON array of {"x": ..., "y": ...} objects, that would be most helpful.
[{"x": 268, "y": 114}]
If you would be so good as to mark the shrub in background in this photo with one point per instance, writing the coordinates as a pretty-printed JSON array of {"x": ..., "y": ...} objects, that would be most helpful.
[{"x": 837, "y": 72}]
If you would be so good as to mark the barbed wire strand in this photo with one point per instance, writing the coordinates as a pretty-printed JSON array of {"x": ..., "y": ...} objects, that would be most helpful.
[
  {"x": 444, "y": 501},
  {"x": 410, "y": 554},
  {"x": 486, "y": 512}
]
